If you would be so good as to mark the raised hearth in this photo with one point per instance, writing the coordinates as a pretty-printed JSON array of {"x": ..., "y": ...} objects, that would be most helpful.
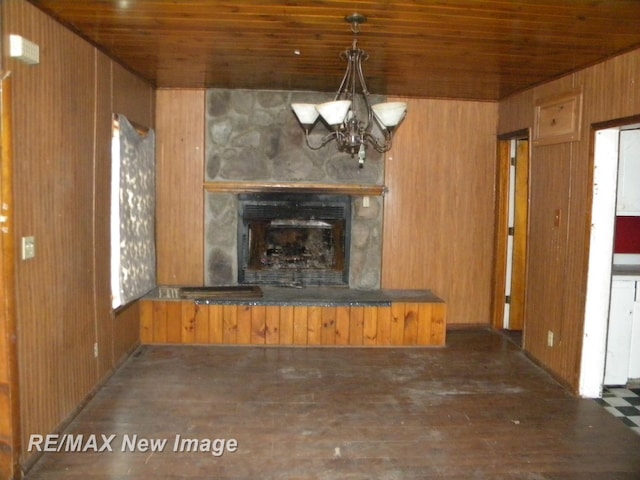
[{"x": 330, "y": 316}]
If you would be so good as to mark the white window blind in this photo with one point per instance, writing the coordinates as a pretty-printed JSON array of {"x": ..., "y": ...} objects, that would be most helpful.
[{"x": 133, "y": 255}]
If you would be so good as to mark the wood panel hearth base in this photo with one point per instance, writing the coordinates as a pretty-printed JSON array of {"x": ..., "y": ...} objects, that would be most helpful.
[{"x": 312, "y": 318}]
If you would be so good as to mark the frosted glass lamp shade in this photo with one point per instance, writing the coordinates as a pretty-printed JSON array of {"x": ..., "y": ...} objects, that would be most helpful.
[
  {"x": 335, "y": 112},
  {"x": 306, "y": 112},
  {"x": 389, "y": 114}
]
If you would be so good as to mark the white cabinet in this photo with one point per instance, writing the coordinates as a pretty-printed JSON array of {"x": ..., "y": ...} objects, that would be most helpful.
[
  {"x": 623, "y": 294},
  {"x": 628, "y": 199}
]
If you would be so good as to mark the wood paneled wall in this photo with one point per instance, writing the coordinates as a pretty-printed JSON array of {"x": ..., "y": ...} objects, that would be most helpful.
[
  {"x": 62, "y": 141},
  {"x": 179, "y": 185},
  {"x": 439, "y": 210},
  {"x": 561, "y": 180},
  {"x": 438, "y": 227}
]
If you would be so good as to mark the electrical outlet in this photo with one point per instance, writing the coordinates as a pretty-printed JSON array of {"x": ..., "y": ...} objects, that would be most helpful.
[
  {"x": 549, "y": 338},
  {"x": 28, "y": 248}
]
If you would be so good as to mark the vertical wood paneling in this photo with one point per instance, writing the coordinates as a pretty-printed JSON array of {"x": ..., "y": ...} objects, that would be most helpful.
[
  {"x": 216, "y": 323},
  {"x": 105, "y": 318},
  {"x": 62, "y": 132},
  {"x": 126, "y": 327},
  {"x": 438, "y": 324},
  {"x": 383, "y": 334},
  {"x": 342, "y": 326},
  {"x": 272, "y": 325},
  {"x": 356, "y": 325},
  {"x": 258, "y": 324},
  {"x": 397, "y": 324},
  {"x": 438, "y": 212},
  {"x": 314, "y": 325},
  {"x": 146, "y": 321},
  {"x": 425, "y": 316},
  {"x": 174, "y": 322},
  {"x": 54, "y": 107},
  {"x": 201, "y": 324},
  {"x": 230, "y": 324},
  {"x": 370, "y": 326},
  {"x": 188, "y": 322},
  {"x": 328, "y": 326},
  {"x": 416, "y": 324},
  {"x": 300, "y": 325},
  {"x": 286, "y": 325},
  {"x": 160, "y": 322},
  {"x": 410, "y": 324},
  {"x": 180, "y": 169},
  {"x": 244, "y": 324}
]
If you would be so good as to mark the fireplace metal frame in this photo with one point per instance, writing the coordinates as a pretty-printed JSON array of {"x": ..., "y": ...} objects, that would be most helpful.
[{"x": 328, "y": 207}]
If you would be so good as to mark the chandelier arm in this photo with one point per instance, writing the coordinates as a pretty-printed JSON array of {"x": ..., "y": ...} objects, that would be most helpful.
[
  {"x": 347, "y": 74},
  {"x": 375, "y": 143},
  {"x": 365, "y": 91},
  {"x": 326, "y": 139}
]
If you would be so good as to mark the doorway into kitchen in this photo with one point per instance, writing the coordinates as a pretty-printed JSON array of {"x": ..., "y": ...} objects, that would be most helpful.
[
  {"x": 512, "y": 200},
  {"x": 603, "y": 260}
]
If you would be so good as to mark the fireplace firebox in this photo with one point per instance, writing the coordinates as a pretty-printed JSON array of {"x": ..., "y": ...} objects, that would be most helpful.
[{"x": 294, "y": 239}]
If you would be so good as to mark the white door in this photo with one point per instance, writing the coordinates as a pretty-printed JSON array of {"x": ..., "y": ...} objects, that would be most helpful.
[{"x": 623, "y": 295}]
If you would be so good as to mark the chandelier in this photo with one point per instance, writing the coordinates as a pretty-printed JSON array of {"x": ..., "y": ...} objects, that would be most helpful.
[{"x": 352, "y": 134}]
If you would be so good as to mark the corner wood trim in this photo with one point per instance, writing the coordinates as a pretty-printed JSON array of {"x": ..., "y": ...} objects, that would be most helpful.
[{"x": 257, "y": 187}]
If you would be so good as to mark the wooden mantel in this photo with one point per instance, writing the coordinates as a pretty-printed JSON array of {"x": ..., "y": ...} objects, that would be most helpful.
[{"x": 270, "y": 187}]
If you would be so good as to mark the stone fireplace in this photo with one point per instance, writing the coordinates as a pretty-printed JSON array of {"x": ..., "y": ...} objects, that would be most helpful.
[{"x": 254, "y": 140}]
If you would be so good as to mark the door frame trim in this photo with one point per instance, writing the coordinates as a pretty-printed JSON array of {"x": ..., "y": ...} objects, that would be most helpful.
[
  {"x": 501, "y": 223},
  {"x": 10, "y": 458},
  {"x": 598, "y": 281}
]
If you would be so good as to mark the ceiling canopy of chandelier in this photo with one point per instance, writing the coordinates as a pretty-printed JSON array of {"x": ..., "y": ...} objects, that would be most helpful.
[{"x": 352, "y": 134}]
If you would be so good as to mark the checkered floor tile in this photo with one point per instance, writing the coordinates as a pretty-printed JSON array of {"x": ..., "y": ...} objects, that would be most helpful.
[{"x": 624, "y": 403}]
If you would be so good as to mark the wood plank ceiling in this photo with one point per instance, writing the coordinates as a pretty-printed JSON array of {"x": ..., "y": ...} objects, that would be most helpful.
[{"x": 466, "y": 49}]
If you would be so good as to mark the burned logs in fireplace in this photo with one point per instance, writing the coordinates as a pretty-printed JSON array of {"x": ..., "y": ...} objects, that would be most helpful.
[{"x": 294, "y": 239}]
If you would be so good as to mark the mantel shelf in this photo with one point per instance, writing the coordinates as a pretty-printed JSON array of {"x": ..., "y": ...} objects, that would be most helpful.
[{"x": 268, "y": 187}]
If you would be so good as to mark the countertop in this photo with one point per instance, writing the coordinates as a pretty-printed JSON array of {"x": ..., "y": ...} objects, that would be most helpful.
[
  {"x": 626, "y": 272},
  {"x": 327, "y": 296}
]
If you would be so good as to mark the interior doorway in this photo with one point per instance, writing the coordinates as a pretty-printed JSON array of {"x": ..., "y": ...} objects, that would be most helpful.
[
  {"x": 605, "y": 138},
  {"x": 512, "y": 202}
]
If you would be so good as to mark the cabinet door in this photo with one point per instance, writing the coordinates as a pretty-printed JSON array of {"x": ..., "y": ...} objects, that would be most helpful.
[
  {"x": 619, "y": 332},
  {"x": 634, "y": 351},
  {"x": 628, "y": 201}
]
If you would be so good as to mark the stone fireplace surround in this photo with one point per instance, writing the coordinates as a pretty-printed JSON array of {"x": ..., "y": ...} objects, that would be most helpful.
[
  {"x": 254, "y": 142},
  {"x": 254, "y": 145}
]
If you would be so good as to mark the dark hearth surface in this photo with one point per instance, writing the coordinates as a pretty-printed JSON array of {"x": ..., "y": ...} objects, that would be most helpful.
[
  {"x": 323, "y": 296},
  {"x": 226, "y": 291}
]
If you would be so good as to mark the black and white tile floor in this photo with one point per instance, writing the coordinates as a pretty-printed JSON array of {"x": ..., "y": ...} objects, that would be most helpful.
[{"x": 623, "y": 402}]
